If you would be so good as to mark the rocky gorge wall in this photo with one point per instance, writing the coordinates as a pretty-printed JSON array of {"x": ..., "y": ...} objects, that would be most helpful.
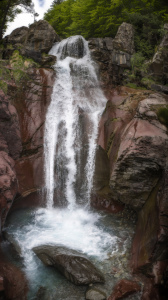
[{"x": 131, "y": 157}]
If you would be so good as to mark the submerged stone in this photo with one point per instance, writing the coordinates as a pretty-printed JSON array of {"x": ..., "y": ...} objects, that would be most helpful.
[
  {"x": 72, "y": 264},
  {"x": 95, "y": 294}
]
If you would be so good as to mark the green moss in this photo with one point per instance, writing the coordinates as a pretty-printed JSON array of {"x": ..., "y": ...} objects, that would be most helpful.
[
  {"x": 20, "y": 65},
  {"x": 162, "y": 114},
  {"x": 3, "y": 86}
]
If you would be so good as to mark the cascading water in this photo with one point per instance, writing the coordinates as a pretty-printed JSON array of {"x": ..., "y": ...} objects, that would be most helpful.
[
  {"x": 70, "y": 142},
  {"x": 72, "y": 123}
]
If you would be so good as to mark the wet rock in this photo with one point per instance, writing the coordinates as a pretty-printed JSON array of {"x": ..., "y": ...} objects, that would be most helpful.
[
  {"x": 13, "y": 280},
  {"x": 72, "y": 264},
  {"x": 102, "y": 170},
  {"x": 74, "y": 47},
  {"x": 43, "y": 294},
  {"x": 123, "y": 289},
  {"x": 94, "y": 293},
  {"x": 103, "y": 200},
  {"x": 13, "y": 242},
  {"x": 31, "y": 104}
]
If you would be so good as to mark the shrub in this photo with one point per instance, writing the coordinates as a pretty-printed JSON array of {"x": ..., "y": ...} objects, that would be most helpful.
[{"x": 163, "y": 115}]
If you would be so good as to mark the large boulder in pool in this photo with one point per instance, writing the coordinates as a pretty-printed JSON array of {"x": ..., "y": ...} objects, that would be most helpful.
[{"x": 72, "y": 264}]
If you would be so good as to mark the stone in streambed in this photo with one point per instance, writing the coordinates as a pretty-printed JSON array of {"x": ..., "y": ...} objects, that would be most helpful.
[
  {"x": 95, "y": 294},
  {"x": 72, "y": 264},
  {"x": 123, "y": 289}
]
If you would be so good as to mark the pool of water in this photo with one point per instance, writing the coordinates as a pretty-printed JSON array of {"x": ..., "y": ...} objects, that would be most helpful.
[{"x": 104, "y": 239}]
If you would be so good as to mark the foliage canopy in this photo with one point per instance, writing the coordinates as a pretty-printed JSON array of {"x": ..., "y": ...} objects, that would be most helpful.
[{"x": 101, "y": 18}]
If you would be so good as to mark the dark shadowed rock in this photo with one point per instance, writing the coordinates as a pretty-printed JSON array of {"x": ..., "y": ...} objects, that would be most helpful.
[
  {"x": 123, "y": 289},
  {"x": 72, "y": 264}
]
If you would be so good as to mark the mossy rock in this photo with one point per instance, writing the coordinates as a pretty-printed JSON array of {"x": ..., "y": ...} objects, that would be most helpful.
[{"x": 162, "y": 114}]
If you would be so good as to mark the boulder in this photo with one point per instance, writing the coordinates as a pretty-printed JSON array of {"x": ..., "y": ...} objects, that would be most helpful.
[
  {"x": 141, "y": 156},
  {"x": 160, "y": 88},
  {"x": 113, "y": 56},
  {"x": 72, "y": 264},
  {"x": 40, "y": 37},
  {"x": 18, "y": 35},
  {"x": 124, "y": 288},
  {"x": 124, "y": 39},
  {"x": 31, "y": 42}
]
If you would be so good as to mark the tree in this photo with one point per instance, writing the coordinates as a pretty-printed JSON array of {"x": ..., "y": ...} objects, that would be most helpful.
[{"x": 9, "y": 9}]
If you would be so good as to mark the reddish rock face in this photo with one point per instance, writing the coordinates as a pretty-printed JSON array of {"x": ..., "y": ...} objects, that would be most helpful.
[
  {"x": 31, "y": 107},
  {"x": 136, "y": 144},
  {"x": 10, "y": 147},
  {"x": 119, "y": 113},
  {"x": 123, "y": 289},
  {"x": 12, "y": 281}
]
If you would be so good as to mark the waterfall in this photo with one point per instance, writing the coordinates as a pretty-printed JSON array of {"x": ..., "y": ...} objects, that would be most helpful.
[{"x": 71, "y": 125}]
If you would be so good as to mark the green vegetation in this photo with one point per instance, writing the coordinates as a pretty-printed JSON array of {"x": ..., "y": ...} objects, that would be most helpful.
[
  {"x": 101, "y": 18},
  {"x": 19, "y": 66},
  {"x": 163, "y": 115},
  {"x": 18, "y": 72}
]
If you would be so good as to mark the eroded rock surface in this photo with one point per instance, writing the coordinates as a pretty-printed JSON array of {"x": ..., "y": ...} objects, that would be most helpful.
[{"x": 72, "y": 264}]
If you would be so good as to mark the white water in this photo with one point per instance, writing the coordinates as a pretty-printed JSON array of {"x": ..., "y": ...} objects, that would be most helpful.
[{"x": 76, "y": 95}]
